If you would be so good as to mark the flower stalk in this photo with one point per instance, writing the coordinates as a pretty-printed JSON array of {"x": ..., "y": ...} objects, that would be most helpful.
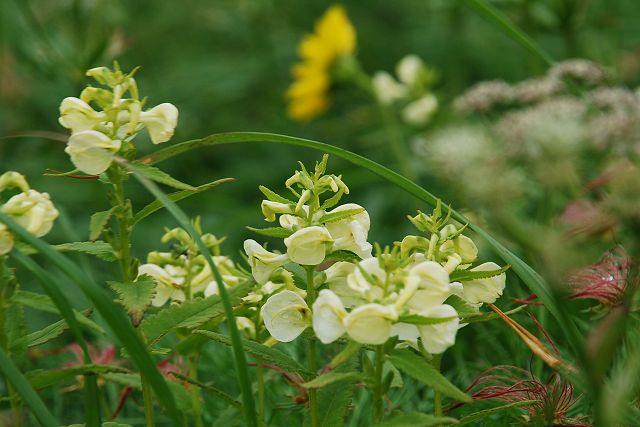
[{"x": 311, "y": 350}]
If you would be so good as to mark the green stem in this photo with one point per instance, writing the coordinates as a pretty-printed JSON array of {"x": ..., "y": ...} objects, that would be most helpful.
[
  {"x": 261, "y": 396},
  {"x": 195, "y": 391},
  {"x": 378, "y": 406},
  {"x": 7, "y": 287},
  {"x": 147, "y": 396},
  {"x": 311, "y": 350},
  {"x": 437, "y": 396},
  {"x": 396, "y": 141}
]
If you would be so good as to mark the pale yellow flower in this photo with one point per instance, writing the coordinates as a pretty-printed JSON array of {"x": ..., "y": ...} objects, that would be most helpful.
[{"x": 334, "y": 36}]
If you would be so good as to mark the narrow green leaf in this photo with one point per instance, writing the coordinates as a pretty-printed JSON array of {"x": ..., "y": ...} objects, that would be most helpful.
[
  {"x": 43, "y": 335},
  {"x": 418, "y": 368},
  {"x": 135, "y": 296},
  {"x": 340, "y": 215},
  {"x": 488, "y": 412},
  {"x": 98, "y": 249},
  {"x": 333, "y": 377},
  {"x": 209, "y": 388},
  {"x": 178, "y": 392},
  {"x": 484, "y": 317},
  {"x": 416, "y": 319},
  {"x": 27, "y": 393},
  {"x": 274, "y": 197},
  {"x": 46, "y": 378},
  {"x": 466, "y": 275},
  {"x": 268, "y": 354},
  {"x": 503, "y": 23},
  {"x": 156, "y": 205},
  {"x": 109, "y": 311},
  {"x": 44, "y": 303},
  {"x": 161, "y": 177},
  {"x": 342, "y": 256},
  {"x": 280, "y": 232},
  {"x": 236, "y": 339},
  {"x": 529, "y": 277},
  {"x": 190, "y": 314},
  {"x": 416, "y": 419},
  {"x": 98, "y": 222},
  {"x": 463, "y": 308}
]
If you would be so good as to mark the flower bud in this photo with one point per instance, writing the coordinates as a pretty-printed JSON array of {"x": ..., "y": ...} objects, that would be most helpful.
[
  {"x": 33, "y": 211},
  {"x": 12, "y": 179},
  {"x": 387, "y": 89},
  {"x": 6, "y": 240},
  {"x": 462, "y": 246},
  {"x": 419, "y": 112},
  {"x": 409, "y": 70},
  {"x": 270, "y": 209}
]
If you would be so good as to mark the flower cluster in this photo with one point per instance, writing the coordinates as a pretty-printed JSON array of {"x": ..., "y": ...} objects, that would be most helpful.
[
  {"x": 98, "y": 135},
  {"x": 401, "y": 291},
  {"x": 334, "y": 38},
  {"x": 29, "y": 208},
  {"x": 183, "y": 272},
  {"x": 411, "y": 90}
]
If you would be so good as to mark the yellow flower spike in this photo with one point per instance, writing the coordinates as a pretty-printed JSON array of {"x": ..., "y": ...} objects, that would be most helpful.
[{"x": 334, "y": 37}]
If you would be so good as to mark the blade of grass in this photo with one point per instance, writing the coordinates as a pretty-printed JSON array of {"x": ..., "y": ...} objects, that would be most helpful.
[
  {"x": 248, "y": 406},
  {"x": 530, "y": 277},
  {"x": 28, "y": 394},
  {"x": 503, "y": 23},
  {"x": 110, "y": 312},
  {"x": 92, "y": 399}
]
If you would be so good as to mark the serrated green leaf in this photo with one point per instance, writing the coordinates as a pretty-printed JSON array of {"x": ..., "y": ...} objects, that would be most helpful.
[
  {"x": 416, "y": 419},
  {"x": 98, "y": 222},
  {"x": 274, "y": 197},
  {"x": 161, "y": 177},
  {"x": 209, "y": 388},
  {"x": 416, "y": 319},
  {"x": 189, "y": 314},
  {"x": 45, "y": 378},
  {"x": 334, "y": 400},
  {"x": 42, "y": 336},
  {"x": 487, "y": 412},
  {"x": 280, "y": 232},
  {"x": 135, "y": 296},
  {"x": 418, "y": 368},
  {"x": 156, "y": 205},
  {"x": 98, "y": 249},
  {"x": 181, "y": 396},
  {"x": 333, "y": 377},
  {"x": 463, "y": 308},
  {"x": 342, "y": 256},
  {"x": 339, "y": 216},
  {"x": 466, "y": 275},
  {"x": 255, "y": 349},
  {"x": 44, "y": 303}
]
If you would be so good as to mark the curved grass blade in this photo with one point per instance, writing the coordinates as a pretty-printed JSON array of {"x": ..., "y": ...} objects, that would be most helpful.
[
  {"x": 530, "y": 277},
  {"x": 66, "y": 311},
  {"x": 178, "y": 195},
  {"x": 502, "y": 22},
  {"x": 110, "y": 312},
  {"x": 236, "y": 340},
  {"x": 28, "y": 394}
]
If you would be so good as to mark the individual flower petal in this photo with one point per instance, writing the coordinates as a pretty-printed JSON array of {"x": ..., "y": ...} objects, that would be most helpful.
[
  {"x": 370, "y": 323},
  {"x": 433, "y": 285},
  {"x": 409, "y": 69},
  {"x": 77, "y": 115},
  {"x": 308, "y": 246},
  {"x": 160, "y": 121},
  {"x": 370, "y": 267},
  {"x": 437, "y": 337},
  {"x": 350, "y": 234},
  {"x": 337, "y": 281},
  {"x": 262, "y": 262},
  {"x": 32, "y": 210},
  {"x": 328, "y": 314},
  {"x": 91, "y": 151},
  {"x": 285, "y": 315},
  {"x": 166, "y": 286},
  {"x": 484, "y": 290}
]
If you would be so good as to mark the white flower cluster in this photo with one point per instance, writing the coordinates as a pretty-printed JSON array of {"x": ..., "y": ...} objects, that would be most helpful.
[
  {"x": 399, "y": 292},
  {"x": 411, "y": 89},
  {"x": 29, "y": 208},
  {"x": 184, "y": 272},
  {"x": 97, "y": 135}
]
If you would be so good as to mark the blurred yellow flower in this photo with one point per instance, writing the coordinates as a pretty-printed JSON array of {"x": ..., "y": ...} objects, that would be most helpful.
[{"x": 334, "y": 37}]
